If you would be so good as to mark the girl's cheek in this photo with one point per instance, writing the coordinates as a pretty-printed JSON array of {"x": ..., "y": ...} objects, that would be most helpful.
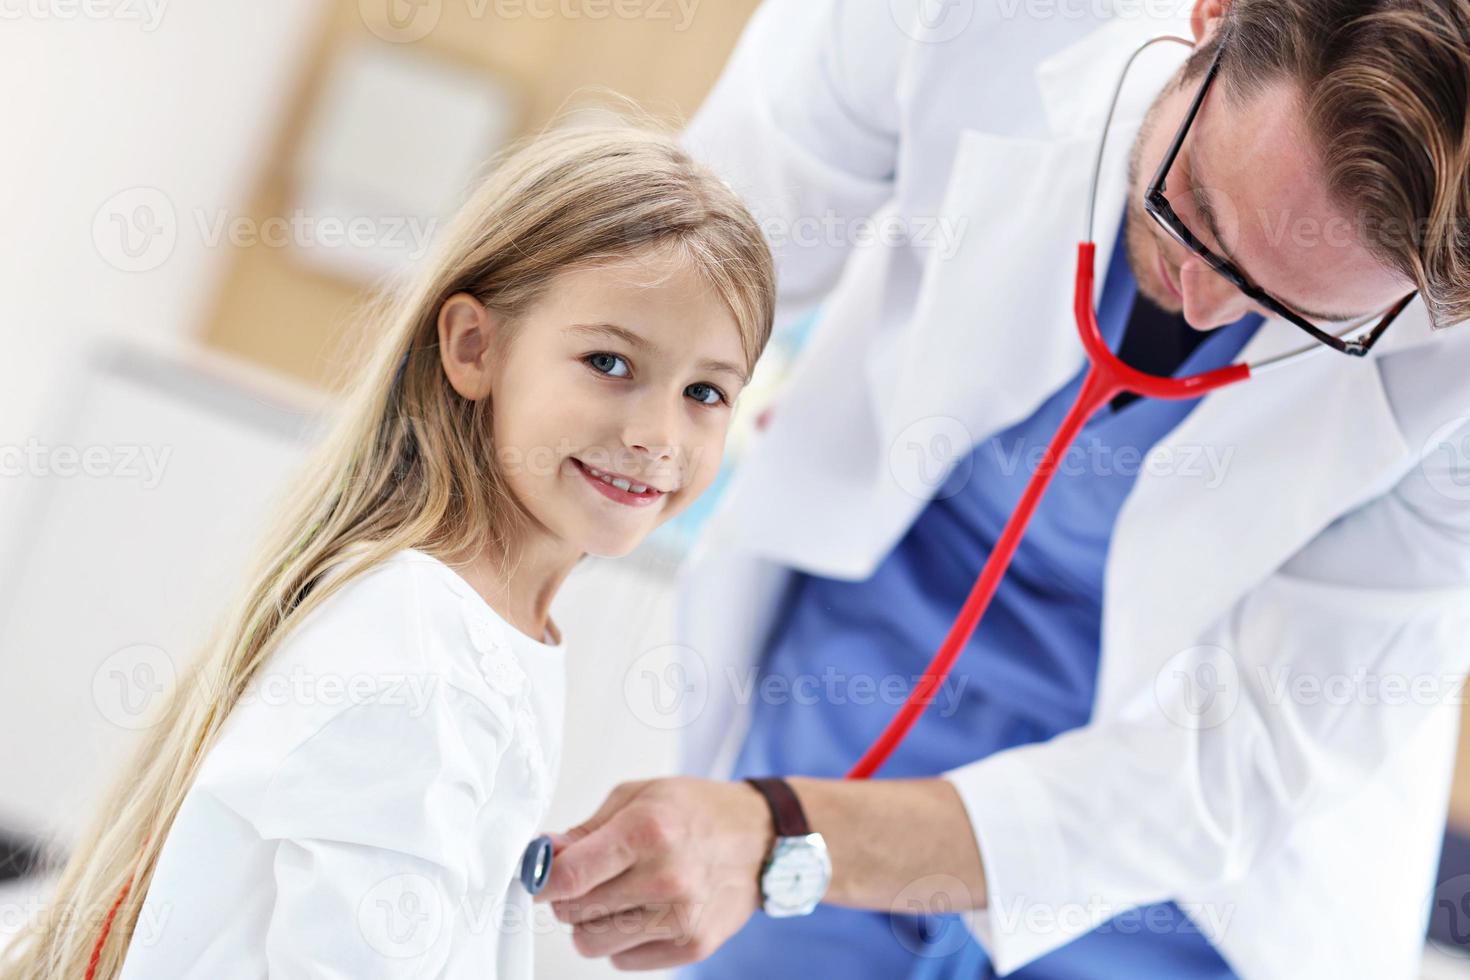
[{"x": 705, "y": 461}]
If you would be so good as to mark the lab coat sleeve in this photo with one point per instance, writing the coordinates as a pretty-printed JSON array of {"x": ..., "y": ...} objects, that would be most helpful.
[
  {"x": 803, "y": 124},
  {"x": 375, "y": 817},
  {"x": 1201, "y": 768}
]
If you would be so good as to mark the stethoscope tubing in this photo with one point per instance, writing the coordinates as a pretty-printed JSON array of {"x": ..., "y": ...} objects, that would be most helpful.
[{"x": 1106, "y": 377}]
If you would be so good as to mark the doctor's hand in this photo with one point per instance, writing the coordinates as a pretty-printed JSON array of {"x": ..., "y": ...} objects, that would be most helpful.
[
  {"x": 667, "y": 869},
  {"x": 663, "y": 873}
]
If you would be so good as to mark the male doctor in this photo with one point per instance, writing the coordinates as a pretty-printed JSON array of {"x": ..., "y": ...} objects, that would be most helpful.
[{"x": 1207, "y": 724}]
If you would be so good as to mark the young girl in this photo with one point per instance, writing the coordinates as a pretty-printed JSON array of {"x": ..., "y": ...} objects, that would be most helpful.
[{"x": 344, "y": 784}]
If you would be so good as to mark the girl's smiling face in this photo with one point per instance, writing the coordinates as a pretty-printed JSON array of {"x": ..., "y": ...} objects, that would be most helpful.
[{"x": 611, "y": 397}]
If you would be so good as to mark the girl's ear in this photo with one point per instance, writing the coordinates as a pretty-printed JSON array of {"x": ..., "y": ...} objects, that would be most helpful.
[{"x": 466, "y": 340}]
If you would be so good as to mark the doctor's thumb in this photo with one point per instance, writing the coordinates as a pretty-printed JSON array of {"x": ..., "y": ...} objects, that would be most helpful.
[{"x": 620, "y": 796}]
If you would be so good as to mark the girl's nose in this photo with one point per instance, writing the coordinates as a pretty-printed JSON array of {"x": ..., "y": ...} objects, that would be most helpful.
[{"x": 652, "y": 427}]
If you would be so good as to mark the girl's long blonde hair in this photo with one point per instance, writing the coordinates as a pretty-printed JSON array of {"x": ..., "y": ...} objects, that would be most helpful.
[{"x": 408, "y": 463}]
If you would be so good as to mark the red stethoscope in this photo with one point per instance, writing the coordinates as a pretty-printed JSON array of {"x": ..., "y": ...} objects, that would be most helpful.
[{"x": 1107, "y": 376}]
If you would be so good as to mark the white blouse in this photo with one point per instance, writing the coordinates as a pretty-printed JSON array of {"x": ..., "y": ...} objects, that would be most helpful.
[{"x": 365, "y": 809}]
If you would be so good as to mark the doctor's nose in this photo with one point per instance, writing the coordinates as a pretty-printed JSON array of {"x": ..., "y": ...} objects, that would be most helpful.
[{"x": 1210, "y": 300}]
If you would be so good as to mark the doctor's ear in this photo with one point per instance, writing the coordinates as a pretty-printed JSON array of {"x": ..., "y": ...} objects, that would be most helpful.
[
  {"x": 467, "y": 344},
  {"x": 1206, "y": 16}
]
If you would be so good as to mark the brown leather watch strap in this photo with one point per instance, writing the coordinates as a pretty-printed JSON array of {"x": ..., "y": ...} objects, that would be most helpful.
[{"x": 786, "y": 812}]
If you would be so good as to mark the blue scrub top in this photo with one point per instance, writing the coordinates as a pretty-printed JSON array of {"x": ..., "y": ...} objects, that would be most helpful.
[{"x": 843, "y": 655}]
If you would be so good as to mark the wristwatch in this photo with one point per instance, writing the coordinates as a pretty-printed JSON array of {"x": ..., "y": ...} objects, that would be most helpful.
[{"x": 798, "y": 870}]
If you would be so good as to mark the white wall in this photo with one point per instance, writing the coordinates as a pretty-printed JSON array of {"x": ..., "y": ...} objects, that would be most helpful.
[
  {"x": 119, "y": 568},
  {"x": 179, "y": 100}
]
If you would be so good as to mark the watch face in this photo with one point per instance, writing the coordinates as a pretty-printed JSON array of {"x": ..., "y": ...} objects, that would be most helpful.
[{"x": 797, "y": 876}]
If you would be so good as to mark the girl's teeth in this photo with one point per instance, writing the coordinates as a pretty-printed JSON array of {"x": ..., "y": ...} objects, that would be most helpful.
[{"x": 618, "y": 482}]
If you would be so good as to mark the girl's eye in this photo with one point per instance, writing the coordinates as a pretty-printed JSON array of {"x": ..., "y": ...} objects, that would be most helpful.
[
  {"x": 613, "y": 366},
  {"x": 705, "y": 394},
  {"x": 607, "y": 364}
]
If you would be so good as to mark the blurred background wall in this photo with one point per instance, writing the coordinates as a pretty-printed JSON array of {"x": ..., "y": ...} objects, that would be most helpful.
[{"x": 276, "y": 311}]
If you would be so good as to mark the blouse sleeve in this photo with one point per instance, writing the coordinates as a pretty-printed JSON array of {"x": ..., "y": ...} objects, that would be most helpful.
[{"x": 375, "y": 816}]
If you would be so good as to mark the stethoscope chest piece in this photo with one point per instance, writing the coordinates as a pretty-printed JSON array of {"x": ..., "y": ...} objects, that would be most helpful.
[{"x": 536, "y": 864}]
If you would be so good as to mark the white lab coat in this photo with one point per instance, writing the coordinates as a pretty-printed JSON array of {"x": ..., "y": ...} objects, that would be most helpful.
[{"x": 1300, "y": 830}]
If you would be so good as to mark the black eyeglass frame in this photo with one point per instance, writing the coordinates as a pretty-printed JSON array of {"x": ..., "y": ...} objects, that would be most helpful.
[{"x": 1158, "y": 207}]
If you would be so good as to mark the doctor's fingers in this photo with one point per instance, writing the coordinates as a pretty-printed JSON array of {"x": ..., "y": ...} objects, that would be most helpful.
[
  {"x": 577, "y": 865},
  {"x": 649, "y": 883},
  {"x": 612, "y": 934},
  {"x": 586, "y": 863}
]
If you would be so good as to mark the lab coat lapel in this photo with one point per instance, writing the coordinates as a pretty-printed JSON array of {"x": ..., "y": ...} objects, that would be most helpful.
[
  {"x": 990, "y": 337},
  {"x": 993, "y": 334},
  {"x": 1248, "y": 479}
]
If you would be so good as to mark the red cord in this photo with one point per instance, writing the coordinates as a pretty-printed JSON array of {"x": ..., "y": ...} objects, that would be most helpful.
[
  {"x": 107, "y": 925},
  {"x": 1096, "y": 391},
  {"x": 106, "y": 928},
  {"x": 1106, "y": 377}
]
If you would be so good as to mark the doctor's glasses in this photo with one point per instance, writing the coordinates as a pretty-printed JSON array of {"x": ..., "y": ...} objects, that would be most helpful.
[{"x": 1157, "y": 205}]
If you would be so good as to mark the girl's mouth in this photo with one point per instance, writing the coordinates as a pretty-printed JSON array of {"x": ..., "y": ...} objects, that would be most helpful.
[{"x": 617, "y": 488}]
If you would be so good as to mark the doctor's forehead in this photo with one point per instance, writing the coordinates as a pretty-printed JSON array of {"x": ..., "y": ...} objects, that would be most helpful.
[{"x": 1256, "y": 166}]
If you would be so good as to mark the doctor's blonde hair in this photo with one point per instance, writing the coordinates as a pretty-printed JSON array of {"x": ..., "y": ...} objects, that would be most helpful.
[{"x": 409, "y": 463}]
